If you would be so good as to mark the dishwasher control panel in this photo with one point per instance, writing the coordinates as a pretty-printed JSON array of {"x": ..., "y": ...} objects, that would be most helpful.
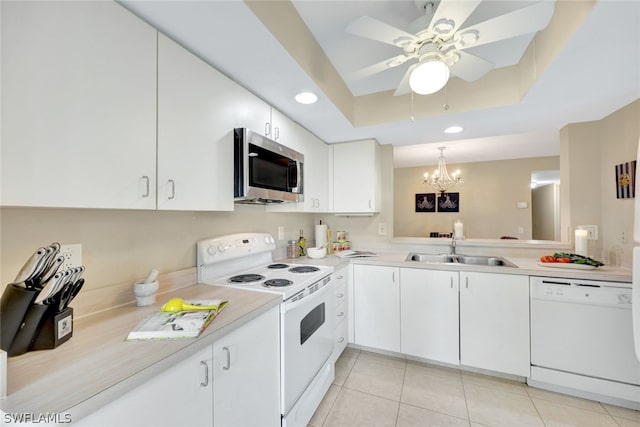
[{"x": 612, "y": 294}]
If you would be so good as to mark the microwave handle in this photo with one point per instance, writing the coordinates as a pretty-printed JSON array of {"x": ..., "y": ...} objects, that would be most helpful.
[{"x": 299, "y": 177}]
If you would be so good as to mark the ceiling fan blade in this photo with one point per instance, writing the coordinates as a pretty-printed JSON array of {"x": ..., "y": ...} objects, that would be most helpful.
[
  {"x": 455, "y": 12},
  {"x": 403, "y": 87},
  {"x": 373, "y": 29},
  {"x": 522, "y": 21},
  {"x": 379, "y": 67},
  {"x": 470, "y": 67}
]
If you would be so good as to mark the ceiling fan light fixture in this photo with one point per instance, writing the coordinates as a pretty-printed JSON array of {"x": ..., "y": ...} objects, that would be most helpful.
[
  {"x": 429, "y": 77},
  {"x": 306, "y": 98}
]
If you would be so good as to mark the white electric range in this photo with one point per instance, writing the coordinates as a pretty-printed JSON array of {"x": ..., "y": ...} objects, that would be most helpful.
[{"x": 245, "y": 261}]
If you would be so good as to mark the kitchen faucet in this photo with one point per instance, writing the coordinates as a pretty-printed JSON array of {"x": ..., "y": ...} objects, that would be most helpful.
[{"x": 453, "y": 244}]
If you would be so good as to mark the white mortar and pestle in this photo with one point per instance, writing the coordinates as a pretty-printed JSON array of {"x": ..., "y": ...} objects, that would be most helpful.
[{"x": 146, "y": 290}]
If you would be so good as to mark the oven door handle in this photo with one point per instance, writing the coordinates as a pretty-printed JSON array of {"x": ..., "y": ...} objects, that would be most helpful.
[{"x": 288, "y": 306}]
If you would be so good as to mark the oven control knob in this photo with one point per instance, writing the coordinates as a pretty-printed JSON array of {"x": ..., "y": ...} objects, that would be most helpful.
[
  {"x": 212, "y": 250},
  {"x": 221, "y": 248}
]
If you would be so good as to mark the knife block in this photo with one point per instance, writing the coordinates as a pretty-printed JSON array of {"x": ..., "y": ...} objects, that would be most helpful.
[
  {"x": 55, "y": 329},
  {"x": 27, "y": 326}
]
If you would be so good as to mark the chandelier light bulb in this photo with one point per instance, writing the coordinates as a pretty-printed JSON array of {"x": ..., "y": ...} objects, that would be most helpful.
[{"x": 429, "y": 77}]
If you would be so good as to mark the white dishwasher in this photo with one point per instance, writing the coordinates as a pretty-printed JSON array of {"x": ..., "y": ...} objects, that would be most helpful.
[{"x": 582, "y": 339}]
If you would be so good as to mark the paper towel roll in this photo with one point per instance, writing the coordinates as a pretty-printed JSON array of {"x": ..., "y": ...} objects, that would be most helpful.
[{"x": 321, "y": 235}]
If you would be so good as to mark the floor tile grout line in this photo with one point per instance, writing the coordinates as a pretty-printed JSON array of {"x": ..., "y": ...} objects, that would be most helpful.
[
  {"x": 533, "y": 402},
  {"x": 464, "y": 393},
  {"x": 404, "y": 376}
]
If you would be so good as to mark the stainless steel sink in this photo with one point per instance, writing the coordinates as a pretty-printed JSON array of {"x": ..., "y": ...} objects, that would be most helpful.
[
  {"x": 484, "y": 260},
  {"x": 491, "y": 261},
  {"x": 435, "y": 258}
]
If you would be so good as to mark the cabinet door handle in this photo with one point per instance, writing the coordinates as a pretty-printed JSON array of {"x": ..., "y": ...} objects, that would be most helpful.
[
  {"x": 340, "y": 277},
  {"x": 173, "y": 189},
  {"x": 206, "y": 374},
  {"x": 341, "y": 339},
  {"x": 267, "y": 129},
  {"x": 466, "y": 281},
  {"x": 393, "y": 277},
  {"x": 341, "y": 295},
  {"x": 146, "y": 192},
  {"x": 228, "y": 365},
  {"x": 341, "y": 314},
  {"x": 276, "y": 133},
  {"x": 451, "y": 282}
]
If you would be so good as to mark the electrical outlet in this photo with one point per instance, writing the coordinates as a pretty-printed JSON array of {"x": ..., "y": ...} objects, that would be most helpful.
[
  {"x": 624, "y": 238},
  {"x": 382, "y": 229},
  {"x": 72, "y": 256},
  {"x": 280, "y": 232},
  {"x": 592, "y": 231}
]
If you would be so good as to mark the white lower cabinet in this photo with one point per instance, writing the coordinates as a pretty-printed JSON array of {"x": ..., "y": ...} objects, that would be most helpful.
[
  {"x": 246, "y": 374},
  {"x": 429, "y": 315},
  {"x": 179, "y": 395},
  {"x": 494, "y": 322},
  {"x": 234, "y": 382},
  {"x": 376, "y": 307},
  {"x": 341, "y": 324}
]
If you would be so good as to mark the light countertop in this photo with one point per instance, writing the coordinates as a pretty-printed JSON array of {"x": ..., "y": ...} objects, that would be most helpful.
[{"x": 526, "y": 266}]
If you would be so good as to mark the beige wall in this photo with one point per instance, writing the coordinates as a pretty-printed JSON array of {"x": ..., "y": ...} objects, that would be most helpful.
[
  {"x": 122, "y": 245},
  {"x": 589, "y": 153},
  {"x": 488, "y": 199}
]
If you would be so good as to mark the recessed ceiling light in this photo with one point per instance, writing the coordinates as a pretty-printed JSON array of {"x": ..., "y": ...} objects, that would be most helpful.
[
  {"x": 306, "y": 97},
  {"x": 453, "y": 129}
]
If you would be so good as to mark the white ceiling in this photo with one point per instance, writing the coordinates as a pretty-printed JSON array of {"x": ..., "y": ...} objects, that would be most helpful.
[{"x": 596, "y": 73}]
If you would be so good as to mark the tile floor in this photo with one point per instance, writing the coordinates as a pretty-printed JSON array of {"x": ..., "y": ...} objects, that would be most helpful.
[{"x": 376, "y": 390}]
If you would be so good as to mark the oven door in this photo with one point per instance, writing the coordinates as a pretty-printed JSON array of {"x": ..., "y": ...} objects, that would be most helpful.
[{"x": 307, "y": 342}]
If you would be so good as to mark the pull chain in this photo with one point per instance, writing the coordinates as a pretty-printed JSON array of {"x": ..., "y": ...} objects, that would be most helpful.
[
  {"x": 445, "y": 106},
  {"x": 412, "y": 117}
]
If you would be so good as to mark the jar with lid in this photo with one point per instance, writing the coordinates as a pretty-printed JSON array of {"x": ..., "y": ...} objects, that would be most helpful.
[{"x": 293, "y": 250}]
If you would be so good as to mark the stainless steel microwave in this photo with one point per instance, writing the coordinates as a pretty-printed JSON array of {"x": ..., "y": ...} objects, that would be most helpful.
[{"x": 265, "y": 171}]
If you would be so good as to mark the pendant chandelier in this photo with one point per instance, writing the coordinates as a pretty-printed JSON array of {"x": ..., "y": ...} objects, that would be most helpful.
[{"x": 440, "y": 179}]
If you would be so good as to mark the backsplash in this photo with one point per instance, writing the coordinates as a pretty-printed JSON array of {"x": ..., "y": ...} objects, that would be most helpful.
[{"x": 122, "y": 245}]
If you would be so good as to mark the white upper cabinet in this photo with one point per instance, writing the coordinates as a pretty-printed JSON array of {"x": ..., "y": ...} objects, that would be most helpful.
[
  {"x": 316, "y": 167},
  {"x": 195, "y": 132},
  {"x": 356, "y": 177},
  {"x": 78, "y": 106}
]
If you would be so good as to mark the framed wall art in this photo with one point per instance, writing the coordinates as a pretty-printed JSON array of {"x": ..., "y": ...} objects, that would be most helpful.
[
  {"x": 449, "y": 202},
  {"x": 425, "y": 202},
  {"x": 626, "y": 180}
]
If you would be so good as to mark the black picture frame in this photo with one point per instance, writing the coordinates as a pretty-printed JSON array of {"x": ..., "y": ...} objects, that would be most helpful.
[
  {"x": 449, "y": 202},
  {"x": 626, "y": 180},
  {"x": 425, "y": 202}
]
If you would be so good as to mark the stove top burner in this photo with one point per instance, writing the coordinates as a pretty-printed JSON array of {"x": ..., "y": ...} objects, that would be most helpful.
[
  {"x": 277, "y": 266},
  {"x": 277, "y": 283},
  {"x": 304, "y": 269},
  {"x": 245, "y": 278}
]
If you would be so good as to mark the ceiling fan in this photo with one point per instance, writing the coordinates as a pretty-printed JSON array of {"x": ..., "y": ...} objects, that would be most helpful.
[{"x": 438, "y": 40}]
